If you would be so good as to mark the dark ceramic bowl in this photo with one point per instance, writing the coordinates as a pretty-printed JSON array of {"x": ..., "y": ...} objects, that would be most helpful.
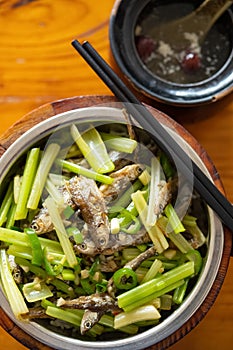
[{"x": 126, "y": 17}]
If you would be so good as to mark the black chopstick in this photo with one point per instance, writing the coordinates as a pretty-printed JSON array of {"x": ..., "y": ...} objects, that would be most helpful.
[{"x": 208, "y": 191}]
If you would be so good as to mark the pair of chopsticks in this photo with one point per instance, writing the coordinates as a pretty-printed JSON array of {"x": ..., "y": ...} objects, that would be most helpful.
[{"x": 188, "y": 168}]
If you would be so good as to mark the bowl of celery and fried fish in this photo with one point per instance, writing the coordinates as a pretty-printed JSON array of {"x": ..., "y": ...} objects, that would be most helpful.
[{"x": 103, "y": 243}]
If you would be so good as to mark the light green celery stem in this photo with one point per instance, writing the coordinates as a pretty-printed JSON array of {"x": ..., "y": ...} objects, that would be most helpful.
[
  {"x": 119, "y": 143},
  {"x": 174, "y": 223},
  {"x": 189, "y": 220},
  {"x": 108, "y": 321},
  {"x": 54, "y": 193},
  {"x": 21, "y": 239},
  {"x": 26, "y": 253},
  {"x": 61, "y": 231},
  {"x": 153, "y": 270},
  {"x": 153, "y": 296},
  {"x": 154, "y": 232},
  {"x": 38, "y": 271},
  {"x": 6, "y": 204},
  {"x": 125, "y": 199},
  {"x": 179, "y": 292},
  {"x": 16, "y": 187},
  {"x": 77, "y": 169},
  {"x": 177, "y": 238},
  {"x": 74, "y": 317},
  {"x": 11, "y": 216},
  {"x": 153, "y": 191},
  {"x": 144, "y": 313},
  {"x": 130, "y": 253},
  {"x": 125, "y": 220},
  {"x": 93, "y": 149},
  {"x": 11, "y": 289},
  {"x": 36, "y": 290},
  {"x": 43, "y": 169},
  {"x": 157, "y": 284},
  {"x": 26, "y": 184}
]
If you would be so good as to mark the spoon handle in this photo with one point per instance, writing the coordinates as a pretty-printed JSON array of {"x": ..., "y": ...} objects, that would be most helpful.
[{"x": 212, "y": 9}]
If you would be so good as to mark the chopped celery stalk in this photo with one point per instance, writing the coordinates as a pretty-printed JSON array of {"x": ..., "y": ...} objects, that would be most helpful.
[
  {"x": 189, "y": 220},
  {"x": 68, "y": 275},
  {"x": 16, "y": 187},
  {"x": 179, "y": 292},
  {"x": 57, "y": 180},
  {"x": 42, "y": 172},
  {"x": 21, "y": 239},
  {"x": 147, "y": 289},
  {"x": 144, "y": 177},
  {"x": 177, "y": 238},
  {"x": 72, "y": 316},
  {"x": 11, "y": 216},
  {"x": 93, "y": 149},
  {"x": 78, "y": 169},
  {"x": 11, "y": 289},
  {"x": 6, "y": 204},
  {"x": 61, "y": 231},
  {"x": 64, "y": 315},
  {"x": 54, "y": 193},
  {"x": 174, "y": 223},
  {"x": 166, "y": 301},
  {"x": 166, "y": 165},
  {"x": 27, "y": 181},
  {"x": 195, "y": 256},
  {"x": 149, "y": 299},
  {"x": 36, "y": 290},
  {"x": 154, "y": 232},
  {"x": 118, "y": 143},
  {"x": 125, "y": 199},
  {"x": 153, "y": 270},
  {"x": 37, "y": 253},
  {"x": 38, "y": 271},
  {"x": 108, "y": 321},
  {"x": 153, "y": 191},
  {"x": 143, "y": 313}
]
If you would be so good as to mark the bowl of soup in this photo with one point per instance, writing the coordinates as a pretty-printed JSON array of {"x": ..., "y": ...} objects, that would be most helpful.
[
  {"x": 103, "y": 242},
  {"x": 203, "y": 75}
]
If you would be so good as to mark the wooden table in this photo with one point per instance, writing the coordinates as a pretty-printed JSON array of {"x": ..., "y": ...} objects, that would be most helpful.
[{"x": 38, "y": 65}]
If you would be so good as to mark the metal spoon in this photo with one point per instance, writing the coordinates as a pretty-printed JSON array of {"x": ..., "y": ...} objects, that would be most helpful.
[{"x": 188, "y": 33}]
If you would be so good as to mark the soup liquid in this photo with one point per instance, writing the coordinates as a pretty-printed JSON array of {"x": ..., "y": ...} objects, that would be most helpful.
[{"x": 214, "y": 51}]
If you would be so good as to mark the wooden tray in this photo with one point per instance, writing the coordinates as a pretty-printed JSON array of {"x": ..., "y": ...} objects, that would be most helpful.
[{"x": 48, "y": 110}]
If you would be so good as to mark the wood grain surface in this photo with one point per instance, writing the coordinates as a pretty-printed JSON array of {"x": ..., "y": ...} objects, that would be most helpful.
[{"x": 38, "y": 65}]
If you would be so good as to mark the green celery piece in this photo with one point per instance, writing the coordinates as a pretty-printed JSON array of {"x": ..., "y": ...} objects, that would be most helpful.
[
  {"x": 119, "y": 143},
  {"x": 77, "y": 169},
  {"x": 11, "y": 289},
  {"x": 168, "y": 278},
  {"x": 93, "y": 149},
  {"x": 173, "y": 220},
  {"x": 154, "y": 231},
  {"x": 42, "y": 172},
  {"x": 36, "y": 290},
  {"x": 153, "y": 296},
  {"x": 6, "y": 204},
  {"x": 11, "y": 216},
  {"x": 144, "y": 313},
  {"x": 179, "y": 292},
  {"x": 26, "y": 184},
  {"x": 61, "y": 231},
  {"x": 153, "y": 191}
]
